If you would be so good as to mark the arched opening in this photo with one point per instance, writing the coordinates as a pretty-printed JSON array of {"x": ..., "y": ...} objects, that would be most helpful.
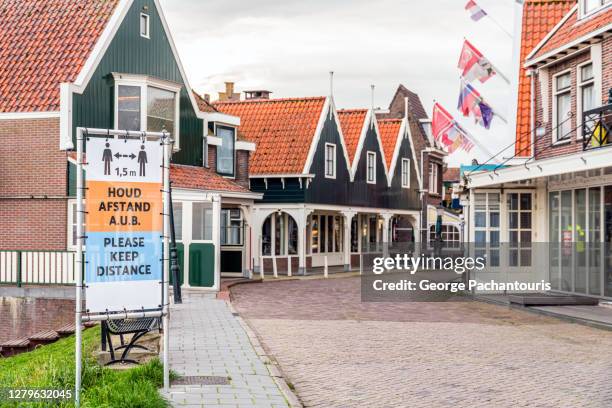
[
  {"x": 401, "y": 229},
  {"x": 279, "y": 242}
]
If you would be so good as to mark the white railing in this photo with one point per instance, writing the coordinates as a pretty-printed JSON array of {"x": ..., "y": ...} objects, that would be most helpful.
[{"x": 38, "y": 267}]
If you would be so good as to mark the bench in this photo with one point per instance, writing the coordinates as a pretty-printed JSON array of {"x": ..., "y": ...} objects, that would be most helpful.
[{"x": 122, "y": 327}]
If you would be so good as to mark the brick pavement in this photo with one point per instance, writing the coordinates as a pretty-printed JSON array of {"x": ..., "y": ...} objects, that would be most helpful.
[
  {"x": 207, "y": 340},
  {"x": 339, "y": 352}
]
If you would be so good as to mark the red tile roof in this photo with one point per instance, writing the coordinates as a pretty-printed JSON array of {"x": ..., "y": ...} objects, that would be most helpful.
[
  {"x": 201, "y": 178},
  {"x": 573, "y": 29},
  {"x": 389, "y": 131},
  {"x": 44, "y": 43},
  {"x": 283, "y": 130},
  {"x": 539, "y": 17},
  {"x": 452, "y": 174},
  {"x": 351, "y": 121}
]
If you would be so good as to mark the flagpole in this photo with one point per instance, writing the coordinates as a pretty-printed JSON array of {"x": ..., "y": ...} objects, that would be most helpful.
[
  {"x": 497, "y": 71},
  {"x": 480, "y": 98},
  {"x": 475, "y": 141},
  {"x": 500, "y": 26}
]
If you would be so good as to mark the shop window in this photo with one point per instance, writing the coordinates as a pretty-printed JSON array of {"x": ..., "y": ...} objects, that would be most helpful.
[
  {"x": 201, "y": 221},
  {"x": 451, "y": 238},
  {"x": 486, "y": 228},
  {"x": 519, "y": 228}
]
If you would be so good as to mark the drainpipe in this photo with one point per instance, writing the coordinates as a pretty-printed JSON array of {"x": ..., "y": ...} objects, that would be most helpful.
[{"x": 532, "y": 76}]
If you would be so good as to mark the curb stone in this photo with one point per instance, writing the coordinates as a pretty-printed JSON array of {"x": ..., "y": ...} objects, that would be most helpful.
[{"x": 272, "y": 366}]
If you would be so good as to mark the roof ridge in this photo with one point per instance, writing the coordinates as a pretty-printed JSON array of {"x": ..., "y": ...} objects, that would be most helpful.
[
  {"x": 353, "y": 110},
  {"x": 390, "y": 119},
  {"x": 262, "y": 101}
]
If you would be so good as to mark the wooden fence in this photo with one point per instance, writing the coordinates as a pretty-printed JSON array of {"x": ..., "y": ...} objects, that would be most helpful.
[{"x": 37, "y": 267}]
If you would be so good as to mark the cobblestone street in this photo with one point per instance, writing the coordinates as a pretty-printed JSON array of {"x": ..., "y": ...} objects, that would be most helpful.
[{"x": 339, "y": 352}]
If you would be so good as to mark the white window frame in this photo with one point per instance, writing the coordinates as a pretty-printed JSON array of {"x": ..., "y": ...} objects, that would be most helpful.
[
  {"x": 584, "y": 13},
  {"x": 233, "y": 176},
  {"x": 72, "y": 204},
  {"x": 147, "y": 18},
  {"x": 331, "y": 146},
  {"x": 405, "y": 171},
  {"x": 434, "y": 175},
  {"x": 371, "y": 158},
  {"x": 331, "y": 175},
  {"x": 144, "y": 82},
  {"x": 555, "y": 94},
  {"x": 579, "y": 85}
]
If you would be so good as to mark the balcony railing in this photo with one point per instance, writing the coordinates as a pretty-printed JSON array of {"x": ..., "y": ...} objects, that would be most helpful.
[{"x": 596, "y": 126}]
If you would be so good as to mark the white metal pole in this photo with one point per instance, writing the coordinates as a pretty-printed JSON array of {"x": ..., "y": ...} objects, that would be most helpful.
[
  {"x": 79, "y": 272},
  {"x": 166, "y": 256}
]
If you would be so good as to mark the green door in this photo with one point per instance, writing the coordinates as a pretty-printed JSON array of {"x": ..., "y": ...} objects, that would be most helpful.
[{"x": 202, "y": 265}]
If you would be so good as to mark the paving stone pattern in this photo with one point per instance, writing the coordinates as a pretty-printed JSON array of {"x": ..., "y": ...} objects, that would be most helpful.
[
  {"x": 340, "y": 352},
  {"x": 207, "y": 340}
]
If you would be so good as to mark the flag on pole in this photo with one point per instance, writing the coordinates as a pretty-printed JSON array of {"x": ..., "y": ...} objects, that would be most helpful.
[
  {"x": 473, "y": 64},
  {"x": 470, "y": 102},
  {"x": 448, "y": 132},
  {"x": 476, "y": 13}
]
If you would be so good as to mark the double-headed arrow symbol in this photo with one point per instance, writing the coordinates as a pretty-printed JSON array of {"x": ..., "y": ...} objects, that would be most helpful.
[{"x": 131, "y": 155}]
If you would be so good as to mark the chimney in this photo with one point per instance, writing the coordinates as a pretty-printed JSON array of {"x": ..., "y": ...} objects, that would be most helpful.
[
  {"x": 229, "y": 89},
  {"x": 257, "y": 94}
]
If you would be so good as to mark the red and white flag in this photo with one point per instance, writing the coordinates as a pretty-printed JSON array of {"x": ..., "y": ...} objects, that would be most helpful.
[
  {"x": 473, "y": 64},
  {"x": 476, "y": 13},
  {"x": 448, "y": 132}
]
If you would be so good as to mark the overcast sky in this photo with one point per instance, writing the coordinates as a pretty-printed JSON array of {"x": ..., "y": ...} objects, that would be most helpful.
[{"x": 289, "y": 46}]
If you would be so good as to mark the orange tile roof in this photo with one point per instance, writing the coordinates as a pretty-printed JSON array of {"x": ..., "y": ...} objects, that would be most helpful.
[
  {"x": 389, "y": 130},
  {"x": 283, "y": 130},
  {"x": 201, "y": 178},
  {"x": 351, "y": 121},
  {"x": 573, "y": 29},
  {"x": 539, "y": 17},
  {"x": 44, "y": 43}
]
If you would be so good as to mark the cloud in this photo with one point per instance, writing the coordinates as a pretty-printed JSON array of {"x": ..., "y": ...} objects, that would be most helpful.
[{"x": 289, "y": 46}]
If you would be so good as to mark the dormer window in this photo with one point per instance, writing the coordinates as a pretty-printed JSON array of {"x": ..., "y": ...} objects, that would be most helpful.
[
  {"x": 144, "y": 25},
  {"x": 227, "y": 151},
  {"x": 145, "y": 103},
  {"x": 590, "y": 6}
]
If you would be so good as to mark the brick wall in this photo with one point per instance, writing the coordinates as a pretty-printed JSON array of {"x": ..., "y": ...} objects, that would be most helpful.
[
  {"x": 31, "y": 164},
  {"x": 212, "y": 157},
  {"x": 544, "y": 146},
  {"x": 242, "y": 168}
]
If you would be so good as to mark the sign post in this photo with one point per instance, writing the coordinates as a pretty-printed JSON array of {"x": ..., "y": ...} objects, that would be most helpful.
[{"x": 126, "y": 265}]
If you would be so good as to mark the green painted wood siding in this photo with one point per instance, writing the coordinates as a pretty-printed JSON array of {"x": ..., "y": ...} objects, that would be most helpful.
[{"x": 130, "y": 53}]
